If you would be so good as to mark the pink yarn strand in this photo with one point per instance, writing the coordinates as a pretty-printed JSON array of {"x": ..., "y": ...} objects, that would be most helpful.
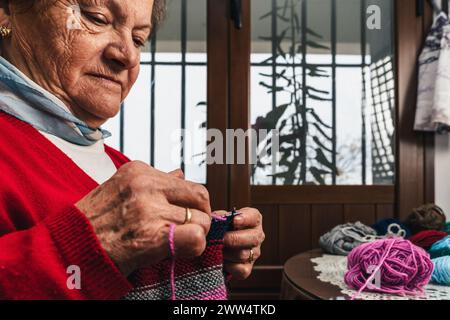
[
  {"x": 172, "y": 262},
  {"x": 218, "y": 217}
]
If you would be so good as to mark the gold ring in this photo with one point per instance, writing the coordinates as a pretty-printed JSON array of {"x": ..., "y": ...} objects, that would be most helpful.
[
  {"x": 188, "y": 217},
  {"x": 251, "y": 258}
]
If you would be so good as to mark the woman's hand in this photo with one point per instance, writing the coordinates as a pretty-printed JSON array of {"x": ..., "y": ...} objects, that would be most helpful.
[
  {"x": 247, "y": 237},
  {"x": 131, "y": 214}
]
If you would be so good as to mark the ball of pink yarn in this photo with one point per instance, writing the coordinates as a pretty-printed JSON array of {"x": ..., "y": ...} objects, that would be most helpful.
[{"x": 393, "y": 266}]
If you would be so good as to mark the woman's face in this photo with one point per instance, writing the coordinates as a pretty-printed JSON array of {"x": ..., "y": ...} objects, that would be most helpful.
[{"x": 86, "y": 52}]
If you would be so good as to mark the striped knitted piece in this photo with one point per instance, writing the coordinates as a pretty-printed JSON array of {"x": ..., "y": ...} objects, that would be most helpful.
[{"x": 200, "y": 278}]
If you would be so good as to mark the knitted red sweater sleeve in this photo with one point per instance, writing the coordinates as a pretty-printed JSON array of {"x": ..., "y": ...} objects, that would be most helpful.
[{"x": 34, "y": 263}]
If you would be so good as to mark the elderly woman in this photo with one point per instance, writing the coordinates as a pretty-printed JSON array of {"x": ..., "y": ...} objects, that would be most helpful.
[{"x": 66, "y": 199}]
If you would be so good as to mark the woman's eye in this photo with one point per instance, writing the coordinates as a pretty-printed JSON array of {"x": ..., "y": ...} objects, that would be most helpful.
[
  {"x": 139, "y": 43},
  {"x": 97, "y": 18}
]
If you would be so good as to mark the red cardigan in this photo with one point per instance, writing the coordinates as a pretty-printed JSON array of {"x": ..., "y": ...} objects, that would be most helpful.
[{"x": 41, "y": 231}]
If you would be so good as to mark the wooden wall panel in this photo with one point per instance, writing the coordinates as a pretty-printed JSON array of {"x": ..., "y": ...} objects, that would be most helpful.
[
  {"x": 364, "y": 213},
  {"x": 324, "y": 217},
  {"x": 270, "y": 226},
  {"x": 384, "y": 211},
  {"x": 322, "y": 194},
  {"x": 294, "y": 231}
]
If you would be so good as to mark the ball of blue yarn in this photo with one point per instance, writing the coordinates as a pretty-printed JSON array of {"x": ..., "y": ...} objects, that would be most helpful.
[
  {"x": 440, "y": 248},
  {"x": 381, "y": 227},
  {"x": 441, "y": 271},
  {"x": 447, "y": 226}
]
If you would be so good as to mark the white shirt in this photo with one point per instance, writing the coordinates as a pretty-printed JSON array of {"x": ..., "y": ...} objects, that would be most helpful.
[{"x": 93, "y": 160}]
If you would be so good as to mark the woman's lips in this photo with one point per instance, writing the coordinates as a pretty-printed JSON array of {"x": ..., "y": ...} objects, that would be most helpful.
[{"x": 107, "y": 79}]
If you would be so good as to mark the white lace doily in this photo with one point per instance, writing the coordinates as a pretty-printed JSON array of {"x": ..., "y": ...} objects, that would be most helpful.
[{"x": 332, "y": 268}]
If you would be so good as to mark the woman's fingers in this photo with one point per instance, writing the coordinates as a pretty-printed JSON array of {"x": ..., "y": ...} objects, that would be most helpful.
[
  {"x": 241, "y": 256},
  {"x": 239, "y": 271},
  {"x": 177, "y": 215},
  {"x": 189, "y": 241},
  {"x": 244, "y": 239},
  {"x": 242, "y": 246},
  {"x": 187, "y": 194},
  {"x": 248, "y": 218}
]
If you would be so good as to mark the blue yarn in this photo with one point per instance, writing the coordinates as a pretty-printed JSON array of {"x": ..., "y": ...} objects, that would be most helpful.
[
  {"x": 447, "y": 226},
  {"x": 381, "y": 227},
  {"x": 440, "y": 248},
  {"x": 441, "y": 272}
]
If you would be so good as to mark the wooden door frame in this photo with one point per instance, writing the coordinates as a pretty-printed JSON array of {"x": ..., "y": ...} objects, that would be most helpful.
[
  {"x": 240, "y": 50},
  {"x": 228, "y": 95},
  {"x": 415, "y": 151},
  {"x": 218, "y": 95}
]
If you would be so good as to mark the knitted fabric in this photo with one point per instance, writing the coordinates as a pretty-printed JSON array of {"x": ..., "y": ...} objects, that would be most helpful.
[{"x": 200, "y": 278}]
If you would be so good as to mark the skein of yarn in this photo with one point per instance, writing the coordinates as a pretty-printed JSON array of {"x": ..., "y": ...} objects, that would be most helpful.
[
  {"x": 382, "y": 227},
  {"x": 343, "y": 238},
  {"x": 393, "y": 266},
  {"x": 440, "y": 248},
  {"x": 426, "y": 217},
  {"x": 447, "y": 227},
  {"x": 425, "y": 239},
  {"x": 441, "y": 272}
]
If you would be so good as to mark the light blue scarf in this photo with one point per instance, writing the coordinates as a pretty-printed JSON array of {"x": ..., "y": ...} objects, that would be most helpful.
[{"x": 27, "y": 101}]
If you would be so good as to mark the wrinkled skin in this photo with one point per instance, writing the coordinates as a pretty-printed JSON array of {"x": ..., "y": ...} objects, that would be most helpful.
[{"x": 92, "y": 69}]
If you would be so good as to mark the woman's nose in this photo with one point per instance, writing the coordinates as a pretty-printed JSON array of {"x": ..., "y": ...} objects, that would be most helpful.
[{"x": 123, "y": 54}]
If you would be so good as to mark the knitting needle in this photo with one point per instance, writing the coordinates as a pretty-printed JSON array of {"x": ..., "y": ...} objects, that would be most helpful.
[{"x": 234, "y": 214}]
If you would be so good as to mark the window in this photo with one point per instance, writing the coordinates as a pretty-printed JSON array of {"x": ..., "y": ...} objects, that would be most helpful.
[{"x": 322, "y": 75}]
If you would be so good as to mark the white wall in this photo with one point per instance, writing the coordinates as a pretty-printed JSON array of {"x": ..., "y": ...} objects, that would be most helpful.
[{"x": 442, "y": 172}]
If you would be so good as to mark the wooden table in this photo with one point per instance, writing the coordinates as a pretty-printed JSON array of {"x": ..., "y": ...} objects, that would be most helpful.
[{"x": 300, "y": 280}]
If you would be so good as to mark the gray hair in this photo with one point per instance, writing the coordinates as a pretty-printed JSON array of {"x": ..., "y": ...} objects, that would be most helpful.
[{"x": 158, "y": 14}]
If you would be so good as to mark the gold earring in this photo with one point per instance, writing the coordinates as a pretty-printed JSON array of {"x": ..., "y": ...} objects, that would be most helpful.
[{"x": 4, "y": 31}]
